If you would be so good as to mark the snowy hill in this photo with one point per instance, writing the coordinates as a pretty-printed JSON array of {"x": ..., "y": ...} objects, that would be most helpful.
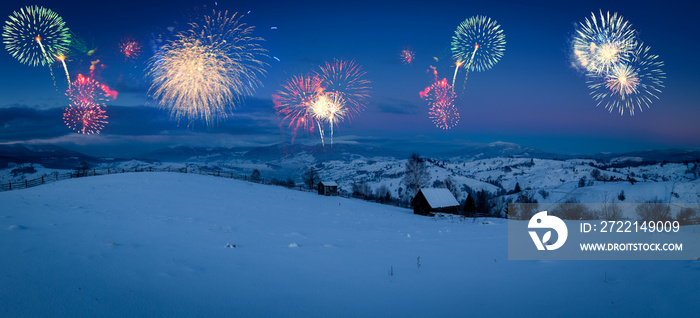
[
  {"x": 179, "y": 245},
  {"x": 669, "y": 175}
]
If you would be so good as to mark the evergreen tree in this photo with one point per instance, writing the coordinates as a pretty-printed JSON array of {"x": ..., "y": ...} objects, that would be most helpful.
[
  {"x": 469, "y": 205},
  {"x": 255, "y": 176},
  {"x": 517, "y": 188},
  {"x": 482, "y": 202}
]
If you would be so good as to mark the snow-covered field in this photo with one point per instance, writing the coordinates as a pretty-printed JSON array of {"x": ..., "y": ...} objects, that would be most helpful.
[{"x": 179, "y": 245}]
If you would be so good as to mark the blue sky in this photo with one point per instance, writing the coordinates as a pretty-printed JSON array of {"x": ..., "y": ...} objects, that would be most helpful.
[{"x": 532, "y": 97}]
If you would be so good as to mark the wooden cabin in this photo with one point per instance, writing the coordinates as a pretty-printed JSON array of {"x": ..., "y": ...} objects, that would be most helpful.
[
  {"x": 328, "y": 188},
  {"x": 434, "y": 200}
]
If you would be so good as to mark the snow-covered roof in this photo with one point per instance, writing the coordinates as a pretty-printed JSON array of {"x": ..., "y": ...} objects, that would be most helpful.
[
  {"x": 439, "y": 197},
  {"x": 329, "y": 183}
]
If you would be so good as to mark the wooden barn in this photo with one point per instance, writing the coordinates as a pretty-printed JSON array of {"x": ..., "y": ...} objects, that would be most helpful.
[
  {"x": 328, "y": 188},
  {"x": 434, "y": 200}
]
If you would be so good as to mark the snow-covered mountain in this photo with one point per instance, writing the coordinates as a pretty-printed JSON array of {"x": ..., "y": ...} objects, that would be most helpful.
[{"x": 669, "y": 175}]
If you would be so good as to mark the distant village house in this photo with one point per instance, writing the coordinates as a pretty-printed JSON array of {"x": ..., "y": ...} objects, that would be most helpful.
[
  {"x": 434, "y": 200},
  {"x": 328, "y": 188}
]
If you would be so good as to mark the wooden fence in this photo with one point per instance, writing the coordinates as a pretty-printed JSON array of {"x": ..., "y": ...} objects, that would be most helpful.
[{"x": 56, "y": 176}]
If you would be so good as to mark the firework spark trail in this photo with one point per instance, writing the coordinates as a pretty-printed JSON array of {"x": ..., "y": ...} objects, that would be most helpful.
[
  {"x": 478, "y": 43},
  {"x": 602, "y": 42},
  {"x": 207, "y": 70},
  {"x": 62, "y": 58},
  {"x": 630, "y": 85},
  {"x": 346, "y": 79},
  {"x": 457, "y": 65},
  {"x": 85, "y": 118},
  {"x": 293, "y": 102}
]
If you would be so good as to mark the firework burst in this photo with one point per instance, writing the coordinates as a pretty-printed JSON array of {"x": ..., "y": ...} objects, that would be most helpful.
[
  {"x": 441, "y": 97},
  {"x": 603, "y": 41},
  {"x": 35, "y": 35},
  {"x": 630, "y": 85},
  {"x": 407, "y": 56},
  {"x": 130, "y": 48},
  {"x": 478, "y": 44},
  {"x": 85, "y": 118},
  {"x": 207, "y": 70},
  {"x": 444, "y": 116},
  {"x": 347, "y": 80},
  {"x": 293, "y": 102},
  {"x": 86, "y": 90},
  {"x": 329, "y": 107}
]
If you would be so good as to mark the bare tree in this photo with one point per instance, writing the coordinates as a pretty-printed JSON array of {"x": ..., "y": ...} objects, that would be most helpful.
[
  {"x": 311, "y": 177},
  {"x": 451, "y": 185},
  {"x": 611, "y": 211},
  {"x": 654, "y": 210},
  {"x": 382, "y": 192},
  {"x": 687, "y": 216},
  {"x": 416, "y": 175},
  {"x": 571, "y": 209}
]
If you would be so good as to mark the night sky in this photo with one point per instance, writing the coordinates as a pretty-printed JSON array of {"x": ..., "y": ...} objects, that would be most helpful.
[{"x": 532, "y": 97}]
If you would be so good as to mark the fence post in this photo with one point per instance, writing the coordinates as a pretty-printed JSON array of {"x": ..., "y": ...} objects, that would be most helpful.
[
  {"x": 218, "y": 173},
  {"x": 150, "y": 169},
  {"x": 93, "y": 172},
  {"x": 168, "y": 169},
  {"x": 10, "y": 185},
  {"x": 231, "y": 175},
  {"x": 25, "y": 184},
  {"x": 42, "y": 179},
  {"x": 185, "y": 169}
]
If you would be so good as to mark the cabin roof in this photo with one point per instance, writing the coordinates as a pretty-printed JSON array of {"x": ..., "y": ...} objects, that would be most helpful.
[{"x": 439, "y": 197}]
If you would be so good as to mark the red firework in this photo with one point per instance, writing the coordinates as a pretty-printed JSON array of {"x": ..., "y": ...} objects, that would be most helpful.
[
  {"x": 85, "y": 114},
  {"x": 85, "y": 118},
  {"x": 130, "y": 48},
  {"x": 346, "y": 79},
  {"x": 293, "y": 102},
  {"x": 441, "y": 97},
  {"x": 86, "y": 90},
  {"x": 407, "y": 56}
]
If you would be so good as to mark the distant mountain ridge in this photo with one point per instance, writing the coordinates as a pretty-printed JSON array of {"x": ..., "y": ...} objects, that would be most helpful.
[{"x": 53, "y": 156}]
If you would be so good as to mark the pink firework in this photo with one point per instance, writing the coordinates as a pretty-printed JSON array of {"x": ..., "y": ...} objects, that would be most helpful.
[
  {"x": 346, "y": 79},
  {"x": 85, "y": 118},
  {"x": 85, "y": 114},
  {"x": 444, "y": 116},
  {"x": 407, "y": 56},
  {"x": 130, "y": 48},
  {"x": 294, "y": 100},
  {"x": 86, "y": 90},
  {"x": 441, "y": 97}
]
